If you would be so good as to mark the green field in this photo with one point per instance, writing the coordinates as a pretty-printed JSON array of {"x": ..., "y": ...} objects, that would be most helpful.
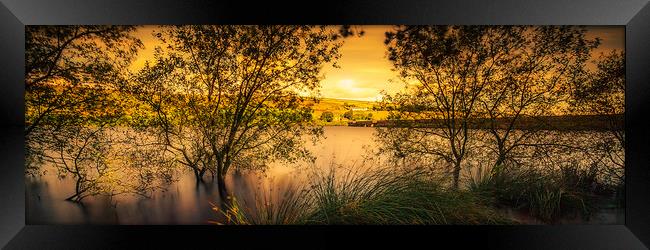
[{"x": 361, "y": 111}]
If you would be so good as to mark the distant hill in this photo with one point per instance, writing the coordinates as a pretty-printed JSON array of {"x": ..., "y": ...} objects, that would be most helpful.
[
  {"x": 565, "y": 122},
  {"x": 361, "y": 110}
]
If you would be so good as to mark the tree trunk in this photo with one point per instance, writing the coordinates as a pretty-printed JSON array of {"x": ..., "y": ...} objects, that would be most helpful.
[
  {"x": 500, "y": 160},
  {"x": 197, "y": 176},
  {"x": 223, "y": 190},
  {"x": 456, "y": 174},
  {"x": 76, "y": 197}
]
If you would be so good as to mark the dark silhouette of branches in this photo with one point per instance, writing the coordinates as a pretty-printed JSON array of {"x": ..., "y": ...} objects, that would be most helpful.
[
  {"x": 228, "y": 96},
  {"x": 468, "y": 73},
  {"x": 60, "y": 60}
]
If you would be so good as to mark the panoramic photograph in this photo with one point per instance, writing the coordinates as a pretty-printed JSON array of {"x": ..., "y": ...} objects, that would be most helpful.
[{"x": 324, "y": 125}]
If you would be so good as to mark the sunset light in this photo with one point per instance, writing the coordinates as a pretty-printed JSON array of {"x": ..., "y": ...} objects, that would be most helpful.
[{"x": 324, "y": 124}]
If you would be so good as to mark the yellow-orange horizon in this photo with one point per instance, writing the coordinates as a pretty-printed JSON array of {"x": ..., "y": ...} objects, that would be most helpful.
[{"x": 364, "y": 69}]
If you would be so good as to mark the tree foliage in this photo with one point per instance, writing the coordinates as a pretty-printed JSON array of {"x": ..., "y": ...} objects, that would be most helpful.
[
  {"x": 463, "y": 74},
  {"x": 601, "y": 91},
  {"x": 72, "y": 79},
  {"x": 66, "y": 67},
  {"x": 230, "y": 95},
  {"x": 327, "y": 116}
]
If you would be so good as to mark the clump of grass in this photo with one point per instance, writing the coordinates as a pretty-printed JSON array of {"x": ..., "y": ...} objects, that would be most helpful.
[
  {"x": 289, "y": 207},
  {"x": 232, "y": 213},
  {"x": 380, "y": 197},
  {"x": 390, "y": 196},
  {"x": 546, "y": 195}
]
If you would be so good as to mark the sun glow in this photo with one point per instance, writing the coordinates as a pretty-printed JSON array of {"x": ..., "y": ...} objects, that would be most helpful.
[{"x": 348, "y": 84}]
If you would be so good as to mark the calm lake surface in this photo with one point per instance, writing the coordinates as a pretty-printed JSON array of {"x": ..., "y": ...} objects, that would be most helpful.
[{"x": 184, "y": 202}]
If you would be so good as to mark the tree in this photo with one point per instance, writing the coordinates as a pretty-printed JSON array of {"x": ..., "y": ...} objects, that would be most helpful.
[
  {"x": 227, "y": 96},
  {"x": 68, "y": 71},
  {"x": 348, "y": 115},
  {"x": 82, "y": 153},
  {"x": 602, "y": 92},
  {"x": 101, "y": 163},
  {"x": 538, "y": 68},
  {"x": 327, "y": 116},
  {"x": 446, "y": 61},
  {"x": 73, "y": 80},
  {"x": 59, "y": 60},
  {"x": 468, "y": 73}
]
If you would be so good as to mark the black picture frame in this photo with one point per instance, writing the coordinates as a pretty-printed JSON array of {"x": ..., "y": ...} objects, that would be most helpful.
[{"x": 633, "y": 14}]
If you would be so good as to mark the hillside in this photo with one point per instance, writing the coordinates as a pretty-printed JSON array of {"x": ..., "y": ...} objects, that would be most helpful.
[{"x": 361, "y": 110}]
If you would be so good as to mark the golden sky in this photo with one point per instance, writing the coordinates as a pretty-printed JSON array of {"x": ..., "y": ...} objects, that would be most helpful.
[{"x": 365, "y": 71}]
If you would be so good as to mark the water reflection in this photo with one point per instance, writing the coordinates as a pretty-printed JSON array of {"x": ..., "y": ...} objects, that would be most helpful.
[{"x": 184, "y": 201}]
